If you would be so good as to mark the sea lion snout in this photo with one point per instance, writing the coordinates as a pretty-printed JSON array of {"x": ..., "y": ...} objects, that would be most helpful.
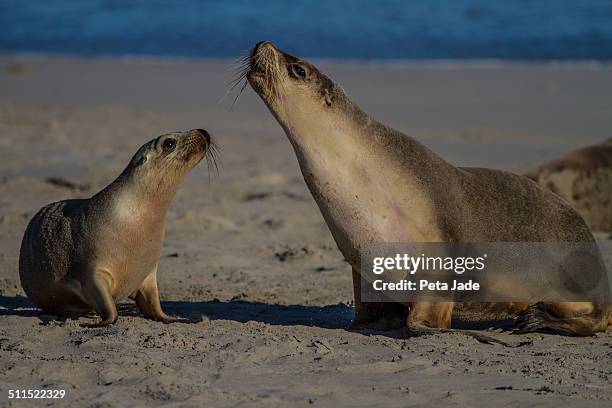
[
  {"x": 204, "y": 134},
  {"x": 263, "y": 59},
  {"x": 260, "y": 46},
  {"x": 196, "y": 142}
]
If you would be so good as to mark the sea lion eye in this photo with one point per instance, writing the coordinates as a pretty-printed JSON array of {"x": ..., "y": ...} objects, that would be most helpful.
[
  {"x": 298, "y": 71},
  {"x": 169, "y": 144}
]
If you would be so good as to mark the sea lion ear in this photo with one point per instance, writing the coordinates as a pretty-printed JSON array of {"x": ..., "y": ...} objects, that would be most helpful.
[
  {"x": 141, "y": 160},
  {"x": 327, "y": 97}
]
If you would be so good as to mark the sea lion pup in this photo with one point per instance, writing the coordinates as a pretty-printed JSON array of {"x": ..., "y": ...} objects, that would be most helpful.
[
  {"x": 87, "y": 254},
  {"x": 584, "y": 178},
  {"x": 375, "y": 184}
]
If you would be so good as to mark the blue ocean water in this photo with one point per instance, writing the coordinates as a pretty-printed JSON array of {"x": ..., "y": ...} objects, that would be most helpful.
[{"x": 385, "y": 29}]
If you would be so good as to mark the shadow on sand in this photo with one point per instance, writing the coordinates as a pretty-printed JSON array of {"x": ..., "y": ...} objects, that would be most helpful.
[
  {"x": 328, "y": 317},
  {"x": 17, "y": 306}
]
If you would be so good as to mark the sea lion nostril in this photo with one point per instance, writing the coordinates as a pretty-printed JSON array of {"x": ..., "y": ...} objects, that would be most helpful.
[{"x": 204, "y": 134}]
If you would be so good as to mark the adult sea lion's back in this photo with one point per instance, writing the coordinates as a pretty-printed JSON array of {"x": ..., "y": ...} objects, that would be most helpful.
[{"x": 513, "y": 208}]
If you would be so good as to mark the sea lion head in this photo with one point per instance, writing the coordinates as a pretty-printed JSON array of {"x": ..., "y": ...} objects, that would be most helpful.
[
  {"x": 160, "y": 164},
  {"x": 294, "y": 90}
]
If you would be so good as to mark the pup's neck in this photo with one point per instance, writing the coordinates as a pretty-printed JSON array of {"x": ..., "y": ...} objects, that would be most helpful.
[{"x": 130, "y": 201}]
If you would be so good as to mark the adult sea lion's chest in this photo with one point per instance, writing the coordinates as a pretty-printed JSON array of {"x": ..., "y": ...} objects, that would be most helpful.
[{"x": 359, "y": 212}]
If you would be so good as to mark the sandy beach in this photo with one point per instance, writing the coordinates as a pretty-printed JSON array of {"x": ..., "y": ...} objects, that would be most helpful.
[{"x": 247, "y": 255}]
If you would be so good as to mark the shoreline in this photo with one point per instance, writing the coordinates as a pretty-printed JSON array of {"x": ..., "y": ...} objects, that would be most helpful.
[{"x": 477, "y": 63}]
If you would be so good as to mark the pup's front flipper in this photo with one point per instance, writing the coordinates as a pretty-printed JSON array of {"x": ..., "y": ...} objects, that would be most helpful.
[
  {"x": 97, "y": 293},
  {"x": 147, "y": 299}
]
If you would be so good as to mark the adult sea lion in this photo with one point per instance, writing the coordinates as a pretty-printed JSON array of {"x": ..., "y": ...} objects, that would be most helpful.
[
  {"x": 87, "y": 254},
  {"x": 584, "y": 178},
  {"x": 375, "y": 184}
]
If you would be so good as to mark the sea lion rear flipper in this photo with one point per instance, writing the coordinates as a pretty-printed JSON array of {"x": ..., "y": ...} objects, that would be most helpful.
[
  {"x": 565, "y": 318},
  {"x": 97, "y": 291}
]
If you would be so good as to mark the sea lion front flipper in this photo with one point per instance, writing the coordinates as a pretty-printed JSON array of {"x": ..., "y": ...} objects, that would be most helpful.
[
  {"x": 147, "y": 299},
  {"x": 97, "y": 291}
]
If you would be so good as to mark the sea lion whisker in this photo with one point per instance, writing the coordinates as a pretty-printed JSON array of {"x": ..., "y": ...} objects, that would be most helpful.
[
  {"x": 231, "y": 85},
  {"x": 241, "y": 71},
  {"x": 212, "y": 158},
  {"x": 244, "y": 85},
  {"x": 211, "y": 164}
]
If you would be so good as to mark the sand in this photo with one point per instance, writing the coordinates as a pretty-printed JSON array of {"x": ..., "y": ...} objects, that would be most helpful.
[{"x": 247, "y": 254}]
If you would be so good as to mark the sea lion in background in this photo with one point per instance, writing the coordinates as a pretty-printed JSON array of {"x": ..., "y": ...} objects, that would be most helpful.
[
  {"x": 375, "y": 184},
  {"x": 87, "y": 254},
  {"x": 584, "y": 178}
]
